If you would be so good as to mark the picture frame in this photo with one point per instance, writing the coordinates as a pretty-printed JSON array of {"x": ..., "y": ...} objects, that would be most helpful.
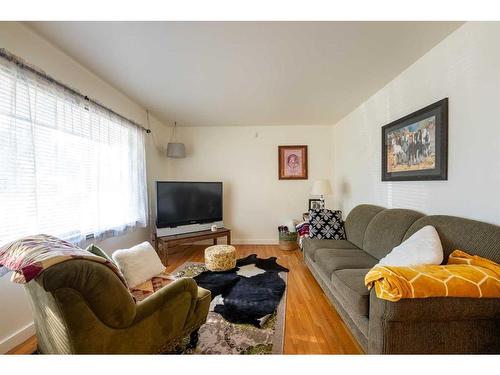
[
  {"x": 292, "y": 162},
  {"x": 314, "y": 204},
  {"x": 415, "y": 147}
]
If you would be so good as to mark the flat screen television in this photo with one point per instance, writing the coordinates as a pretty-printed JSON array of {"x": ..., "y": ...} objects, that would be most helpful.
[{"x": 186, "y": 203}]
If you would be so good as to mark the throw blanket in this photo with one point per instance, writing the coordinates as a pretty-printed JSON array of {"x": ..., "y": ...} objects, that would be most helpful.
[
  {"x": 303, "y": 231},
  {"x": 464, "y": 276},
  {"x": 144, "y": 290},
  {"x": 30, "y": 256}
]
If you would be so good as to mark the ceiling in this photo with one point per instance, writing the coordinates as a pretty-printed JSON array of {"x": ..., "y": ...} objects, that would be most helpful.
[{"x": 246, "y": 73}]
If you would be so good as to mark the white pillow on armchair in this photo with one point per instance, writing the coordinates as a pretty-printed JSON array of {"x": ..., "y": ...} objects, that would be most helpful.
[{"x": 138, "y": 264}]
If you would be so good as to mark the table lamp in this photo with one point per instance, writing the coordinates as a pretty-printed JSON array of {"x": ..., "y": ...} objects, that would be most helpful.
[{"x": 321, "y": 188}]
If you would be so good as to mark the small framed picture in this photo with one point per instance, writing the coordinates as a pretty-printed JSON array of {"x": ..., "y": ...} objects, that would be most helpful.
[
  {"x": 292, "y": 162},
  {"x": 314, "y": 204}
]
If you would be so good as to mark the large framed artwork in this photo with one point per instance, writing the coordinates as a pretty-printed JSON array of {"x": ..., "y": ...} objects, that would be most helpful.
[
  {"x": 415, "y": 147},
  {"x": 292, "y": 162}
]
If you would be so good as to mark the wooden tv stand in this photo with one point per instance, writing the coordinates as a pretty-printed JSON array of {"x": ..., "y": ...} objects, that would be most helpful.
[{"x": 165, "y": 243}]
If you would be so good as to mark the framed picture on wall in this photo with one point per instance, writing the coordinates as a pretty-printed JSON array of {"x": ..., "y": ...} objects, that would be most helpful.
[
  {"x": 292, "y": 162},
  {"x": 415, "y": 147}
]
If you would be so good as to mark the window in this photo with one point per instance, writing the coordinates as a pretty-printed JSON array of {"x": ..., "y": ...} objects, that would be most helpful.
[{"x": 67, "y": 167}]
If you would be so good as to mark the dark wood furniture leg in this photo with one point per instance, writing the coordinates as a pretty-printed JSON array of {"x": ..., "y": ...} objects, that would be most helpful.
[
  {"x": 165, "y": 253},
  {"x": 162, "y": 250},
  {"x": 228, "y": 238},
  {"x": 215, "y": 240},
  {"x": 193, "y": 339}
]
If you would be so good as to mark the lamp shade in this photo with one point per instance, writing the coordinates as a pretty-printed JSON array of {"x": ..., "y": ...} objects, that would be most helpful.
[
  {"x": 176, "y": 150},
  {"x": 321, "y": 187}
]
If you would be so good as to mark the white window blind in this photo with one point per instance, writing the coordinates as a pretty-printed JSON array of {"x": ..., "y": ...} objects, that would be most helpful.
[{"x": 67, "y": 167}]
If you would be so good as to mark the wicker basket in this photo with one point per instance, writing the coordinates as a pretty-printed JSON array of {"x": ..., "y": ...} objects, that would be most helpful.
[{"x": 288, "y": 241}]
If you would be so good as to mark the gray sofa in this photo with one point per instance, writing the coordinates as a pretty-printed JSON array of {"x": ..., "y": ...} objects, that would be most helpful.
[{"x": 426, "y": 325}]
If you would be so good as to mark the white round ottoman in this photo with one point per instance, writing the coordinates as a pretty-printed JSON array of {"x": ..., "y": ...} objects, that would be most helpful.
[{"x": 220, "y": 257}]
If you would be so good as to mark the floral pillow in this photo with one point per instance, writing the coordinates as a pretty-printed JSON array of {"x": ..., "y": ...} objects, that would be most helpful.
[{"x": 326, "y": 224}]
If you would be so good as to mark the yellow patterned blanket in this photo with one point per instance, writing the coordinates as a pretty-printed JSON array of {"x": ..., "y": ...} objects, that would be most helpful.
[{"x": 464, "y": 276}]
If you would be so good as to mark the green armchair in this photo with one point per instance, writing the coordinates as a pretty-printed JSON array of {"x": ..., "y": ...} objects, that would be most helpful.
[{"x": 81, "y": 307}]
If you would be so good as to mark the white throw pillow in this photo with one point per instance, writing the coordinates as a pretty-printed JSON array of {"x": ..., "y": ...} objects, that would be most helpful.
[
  {"x": 138, "y": 264},
  {"x": 422, "y": 247}
]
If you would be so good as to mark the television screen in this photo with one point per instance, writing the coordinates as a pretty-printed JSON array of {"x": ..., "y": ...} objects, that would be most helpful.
[{"x": 182, "y": 203}]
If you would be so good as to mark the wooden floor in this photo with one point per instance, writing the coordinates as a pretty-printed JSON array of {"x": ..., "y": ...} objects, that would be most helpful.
[{"x": 312, "y": 326}]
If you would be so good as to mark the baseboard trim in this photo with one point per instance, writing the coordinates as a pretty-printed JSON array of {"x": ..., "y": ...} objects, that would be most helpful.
[
  {"x": 236, "y": 242},
  {"x": 255, "y": 242},
  {"x": 17, "y": 338}
]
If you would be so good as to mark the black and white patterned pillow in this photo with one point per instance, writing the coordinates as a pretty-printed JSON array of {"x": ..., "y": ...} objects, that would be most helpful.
[{"x": 326, "y": 224}]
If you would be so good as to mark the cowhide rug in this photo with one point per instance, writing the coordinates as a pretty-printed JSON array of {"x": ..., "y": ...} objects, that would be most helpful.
[
  {"x": 247, "y": 310},
  {"x": 250, "y": 293}
]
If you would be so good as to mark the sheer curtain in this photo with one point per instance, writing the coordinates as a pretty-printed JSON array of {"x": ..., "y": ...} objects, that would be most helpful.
[{"x": 67, "y": 167}]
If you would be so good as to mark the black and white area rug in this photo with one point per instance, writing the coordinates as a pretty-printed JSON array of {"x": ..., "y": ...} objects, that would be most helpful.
[{"x": 247, "y": 313}]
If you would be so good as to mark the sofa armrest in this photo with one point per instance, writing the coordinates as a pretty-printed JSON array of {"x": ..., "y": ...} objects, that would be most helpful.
[
  {"x": 165, "y": 295},
  {"x": 438, "y": 308},
  {"x": 434, "y": 325}
]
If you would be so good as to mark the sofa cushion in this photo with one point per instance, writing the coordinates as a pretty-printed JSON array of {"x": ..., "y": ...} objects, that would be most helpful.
[
  {"x": 96, "y": 250},
  {"x": 475, "y": 237},
  {"x": 387, "y": 229},
  {"x": 312, "y": 244},
  {"x": 352, "y": 292},
  {"x": 329, "y": 260},
  {"x": 357, "y": 221}
]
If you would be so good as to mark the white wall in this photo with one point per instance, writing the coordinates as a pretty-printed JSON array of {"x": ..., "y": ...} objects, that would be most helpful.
[
  {"x": 464, "y": 67},
  {"x": 255, "y": 200},
  {"x": 15, "y": 314}
]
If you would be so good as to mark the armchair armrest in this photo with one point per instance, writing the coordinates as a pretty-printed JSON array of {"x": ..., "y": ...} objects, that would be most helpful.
[
  {"x": 166, "y": 294},
  {"x": 200, "y": 307}
]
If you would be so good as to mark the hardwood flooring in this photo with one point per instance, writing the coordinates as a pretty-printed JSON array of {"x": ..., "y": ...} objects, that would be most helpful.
[
  {"x": 312, "y": 326},
  {"x": 27, "y": 347}
]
